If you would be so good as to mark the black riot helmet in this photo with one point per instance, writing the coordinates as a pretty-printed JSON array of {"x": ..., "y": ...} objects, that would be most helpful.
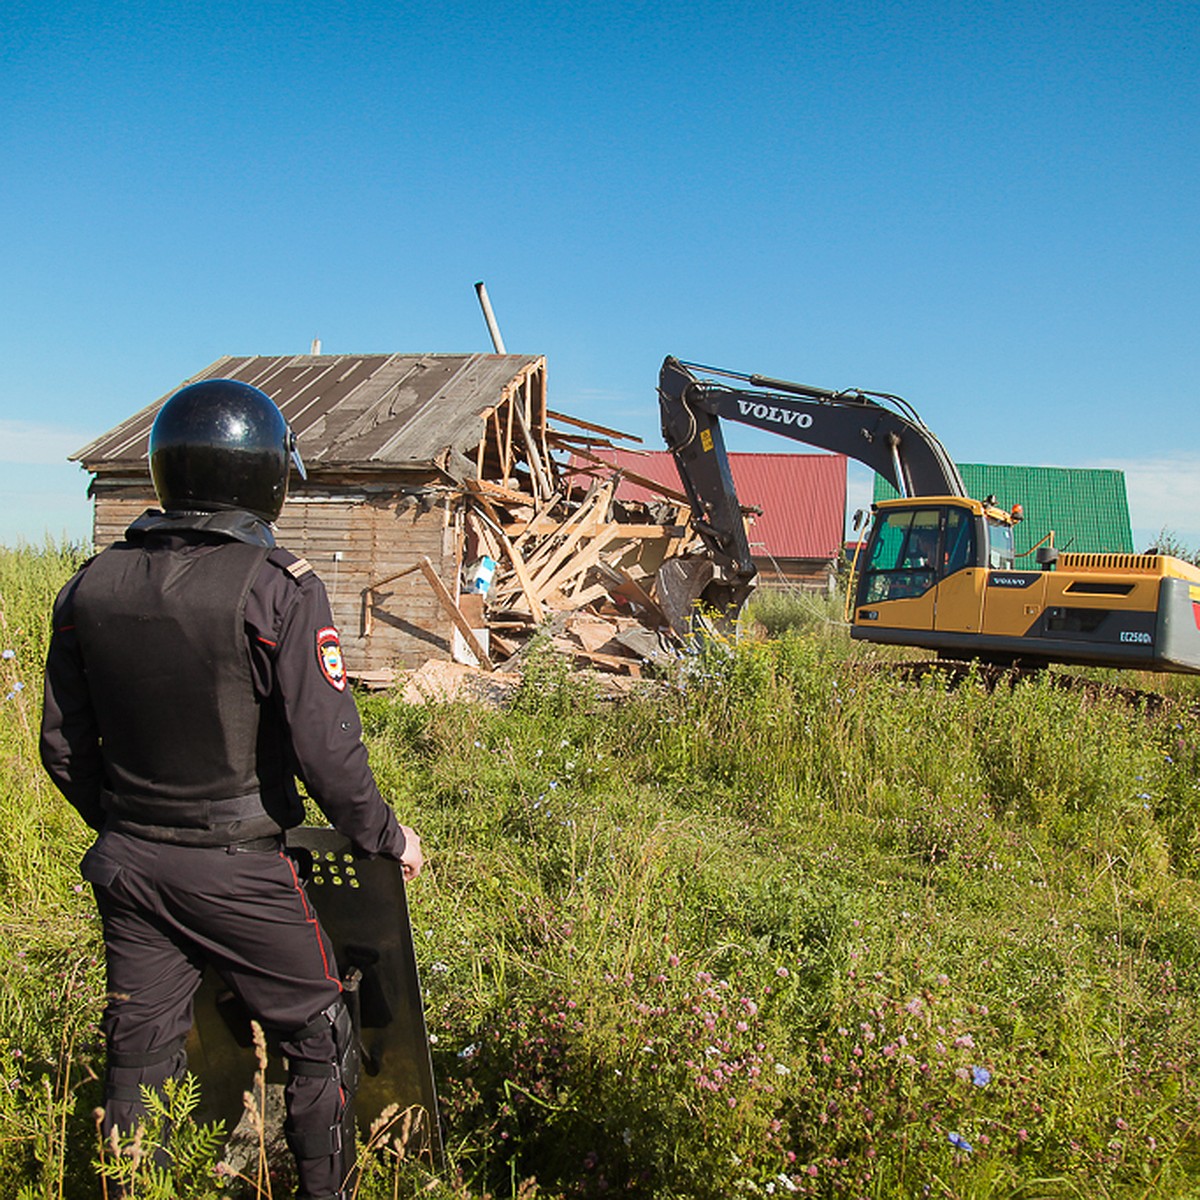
[{"x": 221, "y": 444}]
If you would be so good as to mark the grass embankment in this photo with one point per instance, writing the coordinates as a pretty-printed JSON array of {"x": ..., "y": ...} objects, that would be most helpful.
[{"x": 783, "y": 925}]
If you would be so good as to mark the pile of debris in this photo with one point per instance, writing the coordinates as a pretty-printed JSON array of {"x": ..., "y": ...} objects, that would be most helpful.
[{"x": 552, "y": 546}]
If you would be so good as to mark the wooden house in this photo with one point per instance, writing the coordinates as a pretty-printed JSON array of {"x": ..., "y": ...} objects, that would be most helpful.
[{"x": 393, "y": 444}]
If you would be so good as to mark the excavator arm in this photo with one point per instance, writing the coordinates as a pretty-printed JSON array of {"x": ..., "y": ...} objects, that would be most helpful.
[{"x": 858, "y": 424}]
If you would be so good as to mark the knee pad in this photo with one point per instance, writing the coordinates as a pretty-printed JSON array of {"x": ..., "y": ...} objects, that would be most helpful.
[
  {"x": 125, "y": 1075},
  {"x": 347, "y": 1062},
  {"x": 332, "y": 1139}
]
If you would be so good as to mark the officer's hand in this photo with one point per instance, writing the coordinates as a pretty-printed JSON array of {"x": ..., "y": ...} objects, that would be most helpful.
[{"x": 412, "y": 860}]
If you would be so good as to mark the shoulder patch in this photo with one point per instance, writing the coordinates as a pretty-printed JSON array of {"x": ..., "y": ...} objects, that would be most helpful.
[
  {"x": 329, "y": 657},
  {"x": 294, "y": 567}
]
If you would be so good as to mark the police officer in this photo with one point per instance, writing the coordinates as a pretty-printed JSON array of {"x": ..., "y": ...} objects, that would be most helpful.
[{"x": 194, "y": 673}]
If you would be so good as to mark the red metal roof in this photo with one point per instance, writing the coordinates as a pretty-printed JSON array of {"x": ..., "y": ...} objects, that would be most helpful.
[{"x": 803, "y": 496}]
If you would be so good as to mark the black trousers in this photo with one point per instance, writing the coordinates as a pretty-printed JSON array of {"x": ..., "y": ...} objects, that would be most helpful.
[{"x": 166, "y": 911}]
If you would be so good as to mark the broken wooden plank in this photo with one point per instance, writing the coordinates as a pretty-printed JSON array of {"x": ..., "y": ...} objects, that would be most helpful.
[
  {"x": 581, "y": 562},
  {"x": 505, "y": 494},
  {"x": 621, "y": 582},
  {"x": 452, "y": 611},
  {"x": 513, "y": 554},
  {"x": 585, "y": 511},
  {"x": 593, "y": 632},
  {"x": 503, "y": 647},
  {"x": 579, "y": 424},
  {"x": 642, "y": 598},
  {"x": 540, "y": 522},
  {"x": 585, "y": 527},
  {"x": 614, "y": 662}
]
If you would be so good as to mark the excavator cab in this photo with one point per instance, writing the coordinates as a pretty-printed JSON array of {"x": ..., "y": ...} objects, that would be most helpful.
[
  {"x": 912, "y": 546},
  {"x": 925, "y": 565}
]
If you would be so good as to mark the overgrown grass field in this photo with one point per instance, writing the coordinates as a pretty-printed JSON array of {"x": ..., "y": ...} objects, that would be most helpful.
[{"x": 780, "y": 924}]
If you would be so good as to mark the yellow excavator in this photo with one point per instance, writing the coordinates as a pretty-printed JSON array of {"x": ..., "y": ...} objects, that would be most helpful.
[{"x": 938, "y": 569}]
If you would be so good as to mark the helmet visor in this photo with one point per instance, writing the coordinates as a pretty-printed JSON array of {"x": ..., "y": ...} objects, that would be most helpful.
[{"x": 294, "y": 451}]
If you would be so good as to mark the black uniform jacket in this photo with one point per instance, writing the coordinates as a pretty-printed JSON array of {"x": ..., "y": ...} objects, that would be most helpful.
[{"x": 295, "y": 666}]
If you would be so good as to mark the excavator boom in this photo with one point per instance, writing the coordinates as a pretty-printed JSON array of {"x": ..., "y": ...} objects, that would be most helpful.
[
  {"x": 852, "y": 422},
  {"x": 858, "y": 424}
]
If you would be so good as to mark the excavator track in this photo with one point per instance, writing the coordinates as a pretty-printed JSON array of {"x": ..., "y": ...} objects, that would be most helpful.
[{"x": 994, "y": 675}]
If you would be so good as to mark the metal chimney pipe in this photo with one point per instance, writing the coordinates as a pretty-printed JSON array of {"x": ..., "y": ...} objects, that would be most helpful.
[{"x": 490, "y": 318}]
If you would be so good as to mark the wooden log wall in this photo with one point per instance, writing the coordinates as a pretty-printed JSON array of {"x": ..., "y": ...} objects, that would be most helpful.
[
  {"x": 796, "y": 574},
  {"x": 117, "y": 506},
  {"x": 376, "y": 538},
  {"x": 353, "y": 538}
]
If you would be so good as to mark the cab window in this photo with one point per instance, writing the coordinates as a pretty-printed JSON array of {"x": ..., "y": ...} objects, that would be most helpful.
[
  {"x": 912, "y": 548},
  {"x": 905, "y": 549},
  {"x": 960, "y": 540},
  {"x": 1001, "y": 556}
]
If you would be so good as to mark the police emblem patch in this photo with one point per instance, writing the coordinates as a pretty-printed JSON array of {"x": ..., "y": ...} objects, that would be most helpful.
[{"x": 329, "y": 657}]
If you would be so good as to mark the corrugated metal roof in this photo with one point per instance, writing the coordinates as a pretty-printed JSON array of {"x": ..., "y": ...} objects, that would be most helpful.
[
  {"x": 1087, "y": 509},
  {"x": 359, "y": 411},
  {"x": 803, "y": 496}
]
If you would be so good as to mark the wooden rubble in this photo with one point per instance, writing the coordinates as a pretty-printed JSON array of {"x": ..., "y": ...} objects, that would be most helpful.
[{"x": 570, "y": 557}]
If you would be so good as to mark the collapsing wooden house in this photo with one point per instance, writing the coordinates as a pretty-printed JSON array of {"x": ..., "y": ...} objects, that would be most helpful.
[{"x": 435, "y": 509}]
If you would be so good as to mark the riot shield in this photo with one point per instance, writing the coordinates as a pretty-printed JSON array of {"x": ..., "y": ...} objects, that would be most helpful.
[{"x": 362, "y": 907}]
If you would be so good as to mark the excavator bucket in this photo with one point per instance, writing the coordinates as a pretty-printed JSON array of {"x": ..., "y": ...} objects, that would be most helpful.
[
  {"x": 362, "y": 907},
  {"x": 693, "y": 596}
]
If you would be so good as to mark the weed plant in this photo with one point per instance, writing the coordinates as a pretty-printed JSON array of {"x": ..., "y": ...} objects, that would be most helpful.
[
  {"x": 777, "y": 923},
  {"x": 776, "y": 610}
]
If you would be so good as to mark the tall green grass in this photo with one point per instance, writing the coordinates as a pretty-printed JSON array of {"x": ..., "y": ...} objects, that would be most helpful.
[{"x": 779, "y": 923}]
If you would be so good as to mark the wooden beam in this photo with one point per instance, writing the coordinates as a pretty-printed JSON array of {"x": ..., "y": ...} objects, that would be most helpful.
[
  {"x": 498, "y": 434},
  {"x": 368, "y": 619},
  {"x": 633, "y": 589},
  {"x": 556, "y": 416},
  {"x": 540, "y": 522},
  {"x": 594, "y": 591},
  {"x": 447, "y": 602},
  {"x": 538, "y": 558},
  {"x": 542, "y": 482},
  {"x": 506, "y": 457},
  {"x": 581, "y": 562},
  {"x": 505, "y": 494},
  {"x": 514, "y": 555},
  {"x": 489, "y": 544},
  {"x": 568, "y": 441},
  {"x": 642, "y": 480},
  {"x": 582, "y": 521}
]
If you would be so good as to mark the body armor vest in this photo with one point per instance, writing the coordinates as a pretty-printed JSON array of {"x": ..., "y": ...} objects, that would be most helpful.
[{"x": 161, "y": 632}]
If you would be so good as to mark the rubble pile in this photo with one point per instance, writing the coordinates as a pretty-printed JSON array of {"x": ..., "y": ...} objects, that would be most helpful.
[{"x": 551, "y": 546}]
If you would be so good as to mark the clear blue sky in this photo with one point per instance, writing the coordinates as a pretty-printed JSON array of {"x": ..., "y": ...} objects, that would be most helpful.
[{"x": 988, "y": 208}]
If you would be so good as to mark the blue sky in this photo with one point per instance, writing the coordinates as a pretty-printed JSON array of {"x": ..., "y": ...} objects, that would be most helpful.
[{"x": 990, "y": 209}]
